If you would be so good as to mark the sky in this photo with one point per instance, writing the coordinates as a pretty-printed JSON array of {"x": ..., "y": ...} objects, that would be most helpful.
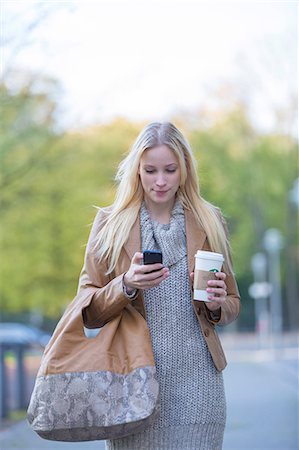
[{"x": 150, "y": 60}]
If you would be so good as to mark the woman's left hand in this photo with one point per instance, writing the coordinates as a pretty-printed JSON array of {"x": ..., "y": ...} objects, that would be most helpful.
[{"x": 216, "y": 291}]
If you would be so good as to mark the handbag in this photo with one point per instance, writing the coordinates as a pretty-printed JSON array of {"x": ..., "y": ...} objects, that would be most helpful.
[{"x": 97, "y": 388}]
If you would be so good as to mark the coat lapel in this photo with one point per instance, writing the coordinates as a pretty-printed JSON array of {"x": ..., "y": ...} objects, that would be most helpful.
[{"x": 195, "y": 236}]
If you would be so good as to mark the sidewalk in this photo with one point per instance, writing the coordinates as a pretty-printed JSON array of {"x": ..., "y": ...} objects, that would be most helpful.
[
  {"x": 21, "y": 437},
  {"x": 262, "y": 402}
]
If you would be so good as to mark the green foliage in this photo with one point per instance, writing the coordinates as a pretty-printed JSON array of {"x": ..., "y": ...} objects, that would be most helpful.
[
  {"x": 248, "y": 176},
  {"x": 50, "y": 182}
]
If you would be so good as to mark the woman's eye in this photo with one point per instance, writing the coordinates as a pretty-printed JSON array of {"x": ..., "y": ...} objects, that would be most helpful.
[{"x": 153, "y": 170}]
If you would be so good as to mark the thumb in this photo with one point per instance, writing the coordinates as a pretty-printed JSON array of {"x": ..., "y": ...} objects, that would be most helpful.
[{"x": 137, "y": 258}]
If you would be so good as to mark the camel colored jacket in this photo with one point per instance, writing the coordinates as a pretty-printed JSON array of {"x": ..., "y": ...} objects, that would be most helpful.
[{"x": 108, "y": 299}]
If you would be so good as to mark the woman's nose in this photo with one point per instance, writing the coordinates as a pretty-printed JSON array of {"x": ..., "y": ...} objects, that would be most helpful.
[{"x": 160, "y": 181}]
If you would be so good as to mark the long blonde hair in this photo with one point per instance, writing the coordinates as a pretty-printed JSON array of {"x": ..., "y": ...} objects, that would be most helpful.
[{"x": 129, "y": 195}]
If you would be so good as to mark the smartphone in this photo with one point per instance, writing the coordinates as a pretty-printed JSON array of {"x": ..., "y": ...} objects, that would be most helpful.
[{"x": 152, "y": 257}]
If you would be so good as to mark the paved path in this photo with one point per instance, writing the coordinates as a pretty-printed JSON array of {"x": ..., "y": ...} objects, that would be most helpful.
[
  {"x": 262, "y": 406},
  {"x": 262, "y": 397}
]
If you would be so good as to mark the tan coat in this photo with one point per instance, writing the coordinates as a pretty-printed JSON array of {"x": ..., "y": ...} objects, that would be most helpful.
[{"x": 108, "y": 299}]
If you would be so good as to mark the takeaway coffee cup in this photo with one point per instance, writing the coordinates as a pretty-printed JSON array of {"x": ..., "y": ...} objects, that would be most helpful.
[{"x": 206, "y": 264}]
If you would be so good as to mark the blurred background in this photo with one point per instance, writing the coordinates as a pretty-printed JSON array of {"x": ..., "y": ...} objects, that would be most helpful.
[{"x": 78, "y": 82}]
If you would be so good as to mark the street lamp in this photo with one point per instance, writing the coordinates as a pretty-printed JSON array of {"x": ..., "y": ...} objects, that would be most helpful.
[
  {"x": 273, "y": 243},
  {"x": 260, "y": 291},
  {"x": 294, "y": 193}
]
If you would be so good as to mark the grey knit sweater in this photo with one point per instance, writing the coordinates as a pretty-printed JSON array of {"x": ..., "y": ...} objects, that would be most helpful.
[{"x": 193, "y": 408}]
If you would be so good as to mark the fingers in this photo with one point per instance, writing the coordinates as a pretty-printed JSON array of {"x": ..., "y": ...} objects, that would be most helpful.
[
  {"x": 156, "y": 275},
  {"x": 217, "y": 294},
  {"x": 148, "y": 280},
  {"x": 217, "y": 288},
  {"x": 148, "y": 268},
  {"x": 220, "y": 275},
  {"x": 137, "y": 258},
  {"x": 147, "y": 284},
  {"x": 219, "y": 283}
]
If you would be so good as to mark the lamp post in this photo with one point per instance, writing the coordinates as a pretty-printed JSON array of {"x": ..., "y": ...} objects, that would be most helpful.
[
  {"x": 273, "y": 243},
  {"x": 260, "y": 291},
  {"x": 292, "y": 261}
]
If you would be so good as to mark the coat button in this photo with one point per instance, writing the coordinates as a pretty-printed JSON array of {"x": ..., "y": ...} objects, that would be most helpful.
[
  {"x": 198, "y": 311},
  {"x": 207, "y": 332}
]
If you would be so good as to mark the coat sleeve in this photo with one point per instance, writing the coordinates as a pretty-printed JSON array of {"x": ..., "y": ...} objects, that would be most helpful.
[
  {"x": 230, "y": 310},
  {"x": 105, "y": 292}
]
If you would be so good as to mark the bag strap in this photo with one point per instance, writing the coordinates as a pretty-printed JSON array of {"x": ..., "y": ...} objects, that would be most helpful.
[{"x": 121, "y": 345}]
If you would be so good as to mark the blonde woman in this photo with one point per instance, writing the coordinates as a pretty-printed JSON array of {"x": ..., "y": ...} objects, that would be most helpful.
[{"x": 158, "y": 206}]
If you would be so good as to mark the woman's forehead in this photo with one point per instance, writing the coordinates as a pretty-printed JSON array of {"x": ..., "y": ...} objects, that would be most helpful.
[{"x": 160, "y": 154}]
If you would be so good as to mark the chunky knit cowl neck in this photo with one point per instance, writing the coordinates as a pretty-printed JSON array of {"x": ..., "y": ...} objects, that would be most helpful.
[{"x": 169, "y": 238}]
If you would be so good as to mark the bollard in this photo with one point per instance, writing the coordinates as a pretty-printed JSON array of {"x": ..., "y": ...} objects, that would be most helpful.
[
  {"x": 3, "y": 384},
  {"x": 21, "y": 403},
  {"x": 16, "y": 338},
  {"x": 19, "y": 390}
]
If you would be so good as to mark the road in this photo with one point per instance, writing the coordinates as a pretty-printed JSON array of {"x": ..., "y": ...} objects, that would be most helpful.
[{"x": 262, "y": 399}]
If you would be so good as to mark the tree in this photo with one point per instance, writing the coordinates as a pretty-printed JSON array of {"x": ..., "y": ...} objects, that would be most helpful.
[{"x": 248, "y": 175}]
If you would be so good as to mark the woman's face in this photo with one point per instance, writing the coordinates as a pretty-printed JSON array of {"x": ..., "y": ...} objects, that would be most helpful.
[{"x": 160, "y": 175}]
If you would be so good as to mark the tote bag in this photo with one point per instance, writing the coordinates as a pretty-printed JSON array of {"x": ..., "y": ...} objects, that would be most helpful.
[{"x": 96, "y": 388}]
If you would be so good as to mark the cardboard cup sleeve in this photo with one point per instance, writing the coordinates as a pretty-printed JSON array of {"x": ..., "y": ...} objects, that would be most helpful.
[{"x": 201, "y": 278}]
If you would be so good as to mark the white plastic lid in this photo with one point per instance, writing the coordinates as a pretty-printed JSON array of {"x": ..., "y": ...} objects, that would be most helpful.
[{"x": 209, "y": 255}]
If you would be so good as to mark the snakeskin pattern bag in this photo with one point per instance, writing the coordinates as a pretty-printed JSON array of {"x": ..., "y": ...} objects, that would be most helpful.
[{"x": 96, "y": 388}]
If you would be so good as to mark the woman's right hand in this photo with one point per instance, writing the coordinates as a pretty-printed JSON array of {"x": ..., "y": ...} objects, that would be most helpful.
[{"x": 138, "y": 276}]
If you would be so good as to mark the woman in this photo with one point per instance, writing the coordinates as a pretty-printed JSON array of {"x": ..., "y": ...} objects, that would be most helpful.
[{"x": 158, "y": 206}]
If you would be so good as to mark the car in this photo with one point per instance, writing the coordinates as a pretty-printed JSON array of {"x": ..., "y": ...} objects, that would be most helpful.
[{"x": 12, "y": 333}]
